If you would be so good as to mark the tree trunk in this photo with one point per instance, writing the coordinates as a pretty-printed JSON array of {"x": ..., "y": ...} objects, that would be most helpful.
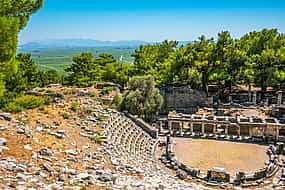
[
  {"x": 263, "y": 87},
  {"x": 249, "y": 91},
  {"x": 204, "y": 83}
]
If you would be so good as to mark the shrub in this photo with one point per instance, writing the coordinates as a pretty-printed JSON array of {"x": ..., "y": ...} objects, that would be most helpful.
[
  {"x": 65, "y": 115},
  {"x": 41, "y": 90},
  {"x": 117, "y": 101},
  {"x": 72, "y": 91},
  {"x": 74, "y": 106},
  {"x": 49, "y": 91},
  {"x": 100, "y": 117},
  {"x": 88, "y": 110},
  {"x": 106, "y": 90},
  {"x": 42, "y": 108},
  {"x": 91, "y": 94},
  {"x": 23, "y": 103},
  {"x": 98, "y": 139},
  {"x": 98, "y": 100}
]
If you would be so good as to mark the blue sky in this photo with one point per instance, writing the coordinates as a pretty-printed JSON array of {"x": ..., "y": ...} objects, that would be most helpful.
[{"x": 151, "y": 20}]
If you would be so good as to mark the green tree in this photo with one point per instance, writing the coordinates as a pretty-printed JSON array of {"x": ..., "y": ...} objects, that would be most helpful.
[
  {"x": 205, "y": 59},
  {"x": 25, "y": 77},
  {"x": 14, "y": 15},
  {"x": 142, "y": 97},
  {"x": 45, "y": 78},
  {"x": 119, "y": 73},
  {"x": 149, "y": 59},
  {"x": 84, "y": 72}
]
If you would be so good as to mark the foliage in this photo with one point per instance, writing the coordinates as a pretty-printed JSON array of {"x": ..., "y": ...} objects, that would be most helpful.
[
  {"x": 88, "y": 110},
  {"x": 100, "y": 117},
  {"x": 117, "y": 101},
  {"x": 118, "y": 73},
  {"x": 23, "y": 103},
  {"x": 74, "y": 106},
  {"x": 86, "y": 69},
  {"x": 149, "y": 59},
  {"x": 72, "y": 91},
  {"x": 65, "y": 115},
  {"x": 14, "y": 15},
  {"x": 45, "y": 78},
  {"x": 142, "y": 97},
  {"x": 98, "y": 139},
  {"x": 106, "y": 90},
  {"x": 257, "y": 58}
]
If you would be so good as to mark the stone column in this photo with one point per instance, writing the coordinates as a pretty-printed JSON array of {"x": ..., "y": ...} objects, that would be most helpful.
[
  {"x": 170, "y": 127},
  {"x": 215, "y": 128},
  {"x": 254, "y": 97},
  {"x": 266, "y": 103},
  {"x": 167, "y": 145},
  {"x": 279, "y": 98},
  {"x": 250, "y": 131},
  {"x": 230, "y": 99},
  {"x": 277, "y": 133},
  {"x": 160, "y": 126},
  {"x": 238, "y": 130},
  {"x": 226, "y": 130},
  {"x": 181, "y": 127},
  {"x": 191, "y": 127},
  {"x": 203, "y": 127}
]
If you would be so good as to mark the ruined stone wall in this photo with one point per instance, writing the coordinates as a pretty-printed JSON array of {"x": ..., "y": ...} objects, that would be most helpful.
[{"x": 182, "y": 99}]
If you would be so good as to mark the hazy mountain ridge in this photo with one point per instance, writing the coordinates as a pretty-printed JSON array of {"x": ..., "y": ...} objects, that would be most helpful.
[{"x": 68, "y": 43}]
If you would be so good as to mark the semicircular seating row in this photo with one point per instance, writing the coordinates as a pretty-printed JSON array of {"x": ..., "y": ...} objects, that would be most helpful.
[{"x": 128, "y": 144}]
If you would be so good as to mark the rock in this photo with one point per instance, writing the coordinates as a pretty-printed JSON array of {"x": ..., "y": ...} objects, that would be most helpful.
[
  {"x": 3, "y": 141},
  {"x": 62, "y": 177},
  {"x": 3, "y": 127},
  {"x": 72, "y": 160},
  {"x": 1, "y": 150},
  {"x": 59, "y": 135},
  {"x": 47, "y": 167},
  {"x": 71, "y": 152},
  {"x": 6, "y": 116},
  {"x": 72, "y": 172},
  {"x": 39, "y": 129},
  {"x": 20, "y": 168},
  {"x": 83, "y": 176},
  {"x": 21, "y": 176},
  {"x": 181, "y": 174},
  {"x": 21, "y": 131},
  {"x": 45, "y": 152},
  {"x": 43, "y": 175},
  {"x": 61, "y": 132},
  {"x": 28, "y": 132},
  {"x": 28, "y": 147}
]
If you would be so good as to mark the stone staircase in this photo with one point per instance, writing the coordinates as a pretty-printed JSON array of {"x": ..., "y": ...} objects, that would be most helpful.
[{"x": 131, "y": 149}]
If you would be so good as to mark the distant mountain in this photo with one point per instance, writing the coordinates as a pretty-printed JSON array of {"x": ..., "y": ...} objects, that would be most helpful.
[
  {"x": 68, "y": 43},
  {"x": 77, "y": 43}
]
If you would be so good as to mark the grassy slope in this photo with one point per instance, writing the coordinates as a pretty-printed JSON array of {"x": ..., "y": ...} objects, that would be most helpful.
[{"x": 58, "y": 58}]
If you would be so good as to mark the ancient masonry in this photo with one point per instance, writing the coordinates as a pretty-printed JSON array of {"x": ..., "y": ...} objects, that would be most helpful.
[
  {"x": 131, "y": 149},
  {"x": 225, "y": 126},
  {"x": 219, "y": 177}
]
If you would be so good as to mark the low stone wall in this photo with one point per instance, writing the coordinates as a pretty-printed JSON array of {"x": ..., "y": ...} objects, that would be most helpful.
[{"x": 219, "y": 175}]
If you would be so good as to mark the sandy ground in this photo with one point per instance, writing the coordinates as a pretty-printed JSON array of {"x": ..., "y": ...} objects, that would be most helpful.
[{"x": 234, "y": 157}]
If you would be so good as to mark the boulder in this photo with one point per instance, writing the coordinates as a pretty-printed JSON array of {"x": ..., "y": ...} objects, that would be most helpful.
[
  {"x": 3, "y": 141},
  {"x": 181, "y": 174},
  {"x": 47, "y": 167},
  {"x": 45, "y": 152}
]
